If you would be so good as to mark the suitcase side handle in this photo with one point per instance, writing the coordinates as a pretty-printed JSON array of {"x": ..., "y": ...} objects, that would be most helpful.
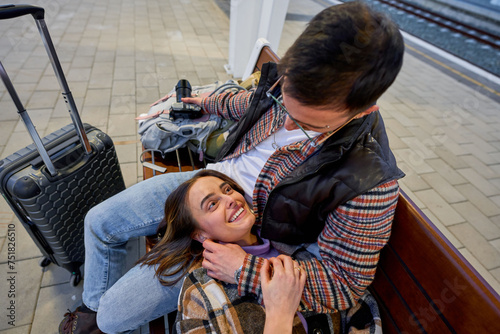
[{"x": 12, "y": 11}]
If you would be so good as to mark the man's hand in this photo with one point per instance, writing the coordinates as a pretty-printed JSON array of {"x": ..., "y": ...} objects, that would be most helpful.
[
  {"x": 221, "y": 261},
  {"x": 195, "y": 99}
]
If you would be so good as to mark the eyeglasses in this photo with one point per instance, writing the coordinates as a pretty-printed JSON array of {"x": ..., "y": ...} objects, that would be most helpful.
[
  {"x": 283, "y": 108},
  {"x": 269, "y": 94}
]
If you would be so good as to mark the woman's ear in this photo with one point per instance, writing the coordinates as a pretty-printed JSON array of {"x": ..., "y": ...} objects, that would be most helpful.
[{"x": 198, "y": 236}]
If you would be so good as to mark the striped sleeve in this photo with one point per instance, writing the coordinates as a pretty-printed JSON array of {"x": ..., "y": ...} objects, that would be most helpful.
[
  {"x": 228, "y": 104},
  {"x": 350, "y": 245}
]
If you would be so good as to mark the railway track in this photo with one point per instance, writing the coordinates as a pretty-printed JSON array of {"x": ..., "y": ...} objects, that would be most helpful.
[
  {"x": 478, "y": 44},
  {"x": 479, "y": 35}
]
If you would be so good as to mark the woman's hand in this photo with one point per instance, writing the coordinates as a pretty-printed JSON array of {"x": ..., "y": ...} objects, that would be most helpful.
[{"x": 282, "y": 287}]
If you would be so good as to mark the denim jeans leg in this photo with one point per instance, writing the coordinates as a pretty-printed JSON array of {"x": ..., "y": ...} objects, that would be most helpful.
[
  {"x": 134, "y": 212},
  {"x": 137, "y": 298}
]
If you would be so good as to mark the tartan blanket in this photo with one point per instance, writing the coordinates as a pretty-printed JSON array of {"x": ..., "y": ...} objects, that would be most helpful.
[{"x": 207, "y": 305}]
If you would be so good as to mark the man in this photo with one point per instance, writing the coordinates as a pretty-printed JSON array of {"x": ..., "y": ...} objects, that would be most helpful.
[{"x": 312, "y": 149}]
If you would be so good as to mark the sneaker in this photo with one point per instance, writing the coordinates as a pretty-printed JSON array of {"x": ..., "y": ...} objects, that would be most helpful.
[{"x": 80, "y": 321}]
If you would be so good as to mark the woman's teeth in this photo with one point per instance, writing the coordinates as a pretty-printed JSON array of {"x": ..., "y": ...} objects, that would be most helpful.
[{"x": 236, "y": 215}]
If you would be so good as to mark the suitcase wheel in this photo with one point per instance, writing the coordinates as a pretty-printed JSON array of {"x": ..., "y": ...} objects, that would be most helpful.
[
  {"x": 44, "y": 262},
  {"x": 75, "y": 278}
]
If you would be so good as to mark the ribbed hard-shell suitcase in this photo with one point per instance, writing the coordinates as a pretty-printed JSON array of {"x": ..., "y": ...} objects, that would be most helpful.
[{"x": 51, "y": 184}]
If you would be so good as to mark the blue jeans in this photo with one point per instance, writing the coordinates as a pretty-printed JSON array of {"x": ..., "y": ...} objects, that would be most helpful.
[{"x": 138, "y": 297}]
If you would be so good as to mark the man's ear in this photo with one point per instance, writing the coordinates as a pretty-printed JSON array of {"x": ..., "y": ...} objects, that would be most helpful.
[{"x": 199, "y": 236}]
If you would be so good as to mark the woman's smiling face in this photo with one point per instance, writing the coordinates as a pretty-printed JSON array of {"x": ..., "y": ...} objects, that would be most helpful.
[{"x": 221, "y": 212}]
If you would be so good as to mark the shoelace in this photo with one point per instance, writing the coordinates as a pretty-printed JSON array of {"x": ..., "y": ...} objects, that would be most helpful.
[{"x": 71, "y": 318}]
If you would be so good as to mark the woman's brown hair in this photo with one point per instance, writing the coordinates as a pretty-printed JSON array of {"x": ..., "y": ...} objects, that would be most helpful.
[{"x": 176, "y": 251}]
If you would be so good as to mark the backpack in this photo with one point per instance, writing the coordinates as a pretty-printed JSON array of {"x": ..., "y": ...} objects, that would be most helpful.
[{"x": 159, "y": 132}]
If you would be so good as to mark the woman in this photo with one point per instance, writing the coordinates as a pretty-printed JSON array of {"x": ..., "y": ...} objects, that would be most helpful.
[{"x": 212, "y": 206}]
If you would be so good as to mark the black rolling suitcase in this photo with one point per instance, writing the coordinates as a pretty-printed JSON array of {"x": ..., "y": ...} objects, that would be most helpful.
[{"x": 51, "y": 184}]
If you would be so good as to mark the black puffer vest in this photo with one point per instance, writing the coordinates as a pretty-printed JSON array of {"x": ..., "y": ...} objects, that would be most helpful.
[{"x": 354, "y": 160}]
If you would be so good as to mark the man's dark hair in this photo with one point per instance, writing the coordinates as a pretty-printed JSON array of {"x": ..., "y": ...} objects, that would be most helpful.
[{"x": 347, "y": 57}]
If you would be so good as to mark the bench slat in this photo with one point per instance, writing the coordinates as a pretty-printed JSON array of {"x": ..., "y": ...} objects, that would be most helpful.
[
  {"x": 415, "y": 312},
  {"x": 388, "y": 302}
]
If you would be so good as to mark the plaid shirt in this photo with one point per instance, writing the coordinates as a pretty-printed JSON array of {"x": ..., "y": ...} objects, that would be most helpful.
[
  {"x": 207, "y": 305},
  {"x": 353, "y": 235}
]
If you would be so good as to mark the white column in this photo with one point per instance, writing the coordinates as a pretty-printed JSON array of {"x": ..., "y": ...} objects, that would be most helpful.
[{"x": 250, "y": 20}]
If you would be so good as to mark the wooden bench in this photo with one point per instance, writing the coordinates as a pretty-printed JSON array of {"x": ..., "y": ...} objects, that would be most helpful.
[{"x": 422, "y": 285}]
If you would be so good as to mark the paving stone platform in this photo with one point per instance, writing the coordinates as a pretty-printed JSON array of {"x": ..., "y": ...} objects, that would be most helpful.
[{"x": 121, "y": 55}]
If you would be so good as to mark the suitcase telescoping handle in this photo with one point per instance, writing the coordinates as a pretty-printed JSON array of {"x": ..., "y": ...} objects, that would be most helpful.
[
  {"x": 27, "y": 121},
  {"x": 12, "y": 11}
]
